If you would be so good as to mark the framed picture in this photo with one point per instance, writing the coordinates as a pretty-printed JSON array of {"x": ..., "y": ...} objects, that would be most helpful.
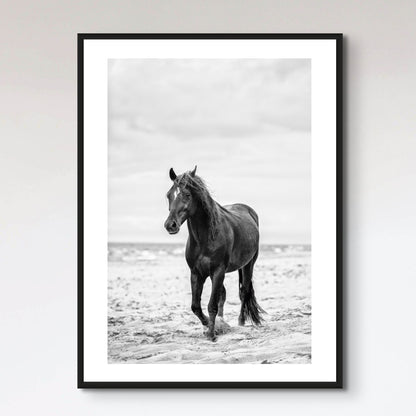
[{"x": 210, "y": 210}]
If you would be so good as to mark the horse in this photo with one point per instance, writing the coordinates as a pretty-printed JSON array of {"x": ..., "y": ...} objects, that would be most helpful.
[{"x": 222, "y": 239}]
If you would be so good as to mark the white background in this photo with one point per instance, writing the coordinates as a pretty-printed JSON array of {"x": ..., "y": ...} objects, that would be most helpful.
[{"x": 38, "y": 209}]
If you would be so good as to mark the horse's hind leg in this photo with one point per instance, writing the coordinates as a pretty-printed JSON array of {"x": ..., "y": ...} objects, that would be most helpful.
[
  {"x": 244, "y": 278},
  {"x": 241, "y": 319},
  {"x": 245, "y": 275},
  {"x": 249, "y": 307},
  {"x": 223, "y": 295}
]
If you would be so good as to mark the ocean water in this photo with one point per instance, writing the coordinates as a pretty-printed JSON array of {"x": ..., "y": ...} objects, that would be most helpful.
[{"x": 144, "y": 252}]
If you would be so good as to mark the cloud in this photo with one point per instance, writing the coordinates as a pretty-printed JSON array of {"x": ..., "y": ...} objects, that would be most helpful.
[
  {"x": 189, "y": 98},
  {"x": 246, "y": 123}
]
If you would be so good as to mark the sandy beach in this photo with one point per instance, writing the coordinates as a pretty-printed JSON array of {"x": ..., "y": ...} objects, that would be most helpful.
[{"x": 150, "y": 319}]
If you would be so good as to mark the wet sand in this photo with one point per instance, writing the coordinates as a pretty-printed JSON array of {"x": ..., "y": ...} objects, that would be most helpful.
[{"x": 150, "y": 319}]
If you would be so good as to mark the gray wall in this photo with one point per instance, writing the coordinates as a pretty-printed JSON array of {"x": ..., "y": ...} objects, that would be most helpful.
[{"x": 38, "y": 204}]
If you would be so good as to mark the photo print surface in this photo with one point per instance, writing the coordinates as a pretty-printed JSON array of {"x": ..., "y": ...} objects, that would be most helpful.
[{"x": 245, "y": 124}]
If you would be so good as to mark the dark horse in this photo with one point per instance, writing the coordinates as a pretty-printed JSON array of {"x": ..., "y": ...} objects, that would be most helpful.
[{"x": 221, "y": 239}]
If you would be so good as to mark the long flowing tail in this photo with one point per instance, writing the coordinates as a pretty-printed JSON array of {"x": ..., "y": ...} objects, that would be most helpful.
[{"x": 250, "y": 308}]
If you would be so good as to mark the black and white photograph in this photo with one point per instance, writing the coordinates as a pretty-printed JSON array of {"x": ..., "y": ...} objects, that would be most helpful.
[
  {"x": 205, "y": 164},
  {"x": 209, "y": 211}
]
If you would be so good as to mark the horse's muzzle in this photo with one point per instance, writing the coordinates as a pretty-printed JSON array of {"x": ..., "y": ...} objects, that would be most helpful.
[{"x": 172, "y": 226}]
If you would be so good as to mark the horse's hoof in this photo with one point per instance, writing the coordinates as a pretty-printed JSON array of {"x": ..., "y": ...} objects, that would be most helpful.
[
  {"x": 241, "y": 322},
  {"x": 211, "y": 336}
]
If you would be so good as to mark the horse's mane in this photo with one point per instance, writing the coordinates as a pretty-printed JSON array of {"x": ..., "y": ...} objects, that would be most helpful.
[{"x": 201, "y": 193}]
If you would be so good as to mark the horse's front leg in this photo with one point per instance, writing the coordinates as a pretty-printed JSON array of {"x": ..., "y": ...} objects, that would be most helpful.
[
  {"x": 197, "y": 284},
  {"x": 217, "y": 278}
]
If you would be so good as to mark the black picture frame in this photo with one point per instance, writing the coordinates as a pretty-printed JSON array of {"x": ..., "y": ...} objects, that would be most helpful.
[{"x": 338, "y": 383}]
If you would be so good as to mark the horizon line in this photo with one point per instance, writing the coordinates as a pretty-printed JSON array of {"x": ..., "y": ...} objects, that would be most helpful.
[{"x": 180, "y": 243}]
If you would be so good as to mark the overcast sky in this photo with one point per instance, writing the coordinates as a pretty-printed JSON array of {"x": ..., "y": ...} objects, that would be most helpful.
[{"x": 245, "y": 123}]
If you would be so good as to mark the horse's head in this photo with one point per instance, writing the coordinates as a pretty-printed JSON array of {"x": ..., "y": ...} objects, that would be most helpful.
[{"x": 181, "y": 203}]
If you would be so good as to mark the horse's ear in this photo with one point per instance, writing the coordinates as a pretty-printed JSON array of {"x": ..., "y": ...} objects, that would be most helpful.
[
  {"x": 172, "y": 174},
  {"x": 193, "y": 172}
]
